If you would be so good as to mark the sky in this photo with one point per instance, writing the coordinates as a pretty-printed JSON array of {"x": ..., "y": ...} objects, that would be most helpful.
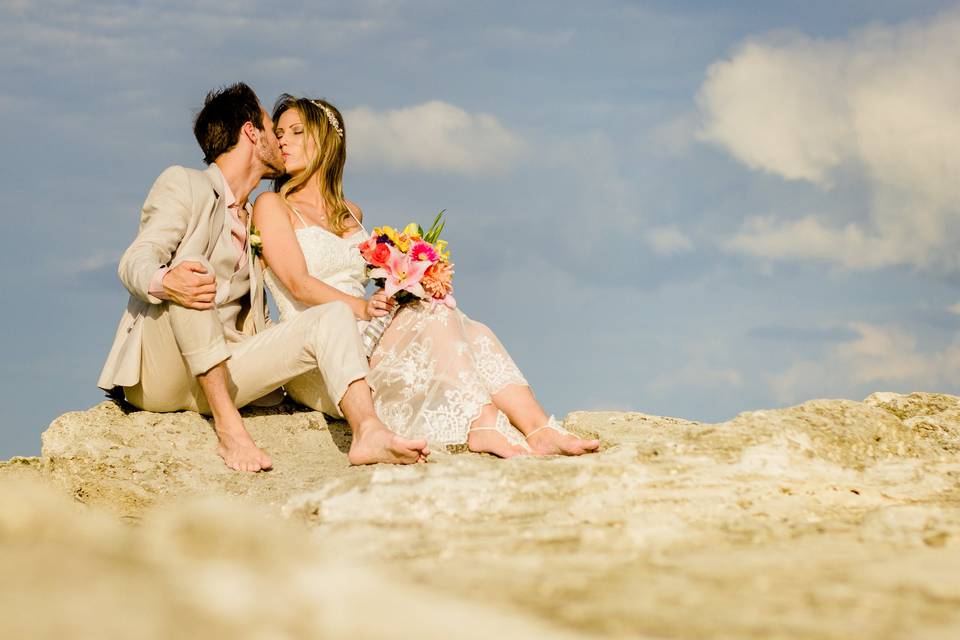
[{"x": 681, "y": 208}]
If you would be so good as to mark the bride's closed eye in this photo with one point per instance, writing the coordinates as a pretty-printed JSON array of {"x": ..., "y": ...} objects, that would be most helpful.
[{"x": 295, "y": 131}]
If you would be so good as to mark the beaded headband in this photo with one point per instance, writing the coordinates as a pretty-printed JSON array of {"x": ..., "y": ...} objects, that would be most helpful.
[{"x": 332, "y": 119}]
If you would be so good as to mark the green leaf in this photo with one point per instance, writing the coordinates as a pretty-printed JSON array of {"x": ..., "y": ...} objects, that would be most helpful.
[{"x": 434, "y": 233}]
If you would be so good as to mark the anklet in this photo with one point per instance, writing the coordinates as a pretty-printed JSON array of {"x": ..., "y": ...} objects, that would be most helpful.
[{"x": 551, "y": 424}]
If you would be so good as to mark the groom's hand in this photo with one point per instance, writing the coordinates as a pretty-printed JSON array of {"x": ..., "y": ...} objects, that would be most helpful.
[{"x": 189, "y": 285}]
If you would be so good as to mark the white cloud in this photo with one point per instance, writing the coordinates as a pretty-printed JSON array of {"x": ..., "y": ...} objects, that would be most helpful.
[
  {"x": 280, "y": 65},
  {"x": 519, "y": 37},
  {"x": 434, "y": 136},
  {"x": 808, "y": 239},
  {"x": 879, "y": 356},
  {"x": 667, "y": 241},
  {"x": 779, "y": 108},
  {"x": 99, "y": 266},
  {"x": 879, "y": 105},
  {"x": 954, "y": 308},
  {"x": 91, "y": 263},
  {"x": 97, "y": 261},
  {"x": 169, "y": 35},
  {"x": 695, "y": 376}
]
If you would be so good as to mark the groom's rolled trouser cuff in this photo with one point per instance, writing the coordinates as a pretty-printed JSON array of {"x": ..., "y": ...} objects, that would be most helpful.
[
  {"x": 199, "y": 335},
  {"x": 348, "y": 376},
  {"x": 199, "y": 362}
]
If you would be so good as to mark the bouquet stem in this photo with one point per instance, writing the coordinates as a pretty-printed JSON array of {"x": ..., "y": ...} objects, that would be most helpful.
[{"x": 374, "y": 331}]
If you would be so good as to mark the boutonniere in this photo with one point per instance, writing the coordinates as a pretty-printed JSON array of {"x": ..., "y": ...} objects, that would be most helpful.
[{"x": 256, "y": 244}]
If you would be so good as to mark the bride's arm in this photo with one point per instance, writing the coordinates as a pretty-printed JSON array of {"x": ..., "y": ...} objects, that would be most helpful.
[{"x": 283, "y": 255}]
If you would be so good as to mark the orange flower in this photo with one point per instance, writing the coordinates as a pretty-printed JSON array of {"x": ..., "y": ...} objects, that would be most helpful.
[
  {"x": 367, "y": 246},
  {"x": 438, "y": 280}
]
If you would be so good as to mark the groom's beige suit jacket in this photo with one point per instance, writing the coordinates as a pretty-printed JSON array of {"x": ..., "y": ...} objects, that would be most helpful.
[{"x": 182, "y": 219}]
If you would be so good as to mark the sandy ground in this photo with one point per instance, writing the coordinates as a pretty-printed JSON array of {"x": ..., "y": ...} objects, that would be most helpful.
[{"x": 833, "y": 519}]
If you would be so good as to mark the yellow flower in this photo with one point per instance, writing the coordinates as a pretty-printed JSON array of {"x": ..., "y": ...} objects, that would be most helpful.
[
  {"x": 391, "y": 233},
  {"x": 400, "y": 240},
  {"x": 412, "y": 231},
  {"x": 441, "y": 247}
]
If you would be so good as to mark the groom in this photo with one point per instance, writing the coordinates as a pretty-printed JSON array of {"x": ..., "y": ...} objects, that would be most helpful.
[{"x": 195, "y": 335}]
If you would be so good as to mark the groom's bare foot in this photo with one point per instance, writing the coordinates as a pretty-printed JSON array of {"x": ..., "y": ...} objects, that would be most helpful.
[
  {"x": 484, "y": 440},
  {"x": 550, "y": 442},
  {"x": 236, "y": 447},
  {"x": 376, "y": 444},
  {"x": 239, "y": 451}
]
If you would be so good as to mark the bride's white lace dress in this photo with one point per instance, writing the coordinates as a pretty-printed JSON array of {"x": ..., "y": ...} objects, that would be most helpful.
[{"x": 434, "y": 368}]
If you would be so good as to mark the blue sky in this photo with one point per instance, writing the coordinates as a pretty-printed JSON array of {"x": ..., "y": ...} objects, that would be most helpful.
[{"x": 681, "y": 208}]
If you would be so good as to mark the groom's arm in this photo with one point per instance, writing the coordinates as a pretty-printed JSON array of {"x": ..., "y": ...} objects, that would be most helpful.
[{"x": 164, "y": 220}]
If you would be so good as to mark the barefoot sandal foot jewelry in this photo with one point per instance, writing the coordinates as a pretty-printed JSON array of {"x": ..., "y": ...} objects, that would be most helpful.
[
  {"x": 551, "y": 424},
  {"x": 504, "y": 428}
]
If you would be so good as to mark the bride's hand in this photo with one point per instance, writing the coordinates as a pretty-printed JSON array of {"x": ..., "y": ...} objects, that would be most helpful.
[{"x": 378, "y": 305}]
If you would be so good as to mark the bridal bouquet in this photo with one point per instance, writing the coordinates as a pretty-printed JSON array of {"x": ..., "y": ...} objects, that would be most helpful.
[{"x": 409, "y": 265}]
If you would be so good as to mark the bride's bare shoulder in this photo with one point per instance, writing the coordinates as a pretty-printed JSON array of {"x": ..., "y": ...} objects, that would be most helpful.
[
  {"x": 269, "y": 205},
  {"x": 268, "y": 200},
  {"x": 270, "y": 211}
]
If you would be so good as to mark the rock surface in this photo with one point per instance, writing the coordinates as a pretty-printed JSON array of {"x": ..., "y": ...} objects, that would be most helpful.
[{"x": 832, "y": 519}]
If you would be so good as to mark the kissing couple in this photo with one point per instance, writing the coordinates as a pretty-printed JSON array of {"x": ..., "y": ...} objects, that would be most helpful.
[{"x": 196, "y": 334}]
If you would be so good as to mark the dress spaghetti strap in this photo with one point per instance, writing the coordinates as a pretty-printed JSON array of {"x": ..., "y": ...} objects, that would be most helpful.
[
  {"x": 363, "y": 228},
  {"x": 300, "y": 217},
  {"x": 305, "y": 225}
]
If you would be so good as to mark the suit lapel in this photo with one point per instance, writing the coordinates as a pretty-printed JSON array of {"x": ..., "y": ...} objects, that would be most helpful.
[
  {"x": 256, "y": 277},
  {"x": 219, "y": 206},
  {"x": 217, "y": 222}
]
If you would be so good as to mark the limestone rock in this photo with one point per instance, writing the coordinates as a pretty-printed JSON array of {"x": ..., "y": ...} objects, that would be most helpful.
[
  {"x": 123, "y": 459},
  {"x": 208, "y": 569},
  {"x": 936, "y": 416},
  {"x": 831, "y": 519}
]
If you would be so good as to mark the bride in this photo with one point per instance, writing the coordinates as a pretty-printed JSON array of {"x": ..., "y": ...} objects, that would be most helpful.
[{"x": 435, "y": 373}]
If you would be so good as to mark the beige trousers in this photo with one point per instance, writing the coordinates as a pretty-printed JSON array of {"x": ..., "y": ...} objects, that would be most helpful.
[{"x": 320, "y": 343}]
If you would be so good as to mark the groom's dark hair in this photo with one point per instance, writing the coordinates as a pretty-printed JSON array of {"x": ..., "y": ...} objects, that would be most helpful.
[{"x": 225, "y": 111}]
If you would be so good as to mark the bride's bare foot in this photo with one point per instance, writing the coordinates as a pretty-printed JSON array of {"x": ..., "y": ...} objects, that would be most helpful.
[
  {"x": 240, "y": 452},
  {"x": 375, "y": 444},
  {"x": 489, "y": 440},
  {"x": 553, "y": 440}
]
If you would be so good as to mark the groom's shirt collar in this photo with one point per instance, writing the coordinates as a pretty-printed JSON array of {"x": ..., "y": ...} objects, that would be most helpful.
[
  {"x": 228, "y": 196},
  {"x": 237, "y": 229}
]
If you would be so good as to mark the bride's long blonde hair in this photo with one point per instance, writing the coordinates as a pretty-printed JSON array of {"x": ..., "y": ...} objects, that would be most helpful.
[{"x": 324, "y": 124}]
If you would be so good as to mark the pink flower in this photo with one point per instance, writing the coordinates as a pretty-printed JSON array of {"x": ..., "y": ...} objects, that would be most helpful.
[
  {"x": 423, "y": 251},
  {"x": 403, "y": 274}
]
